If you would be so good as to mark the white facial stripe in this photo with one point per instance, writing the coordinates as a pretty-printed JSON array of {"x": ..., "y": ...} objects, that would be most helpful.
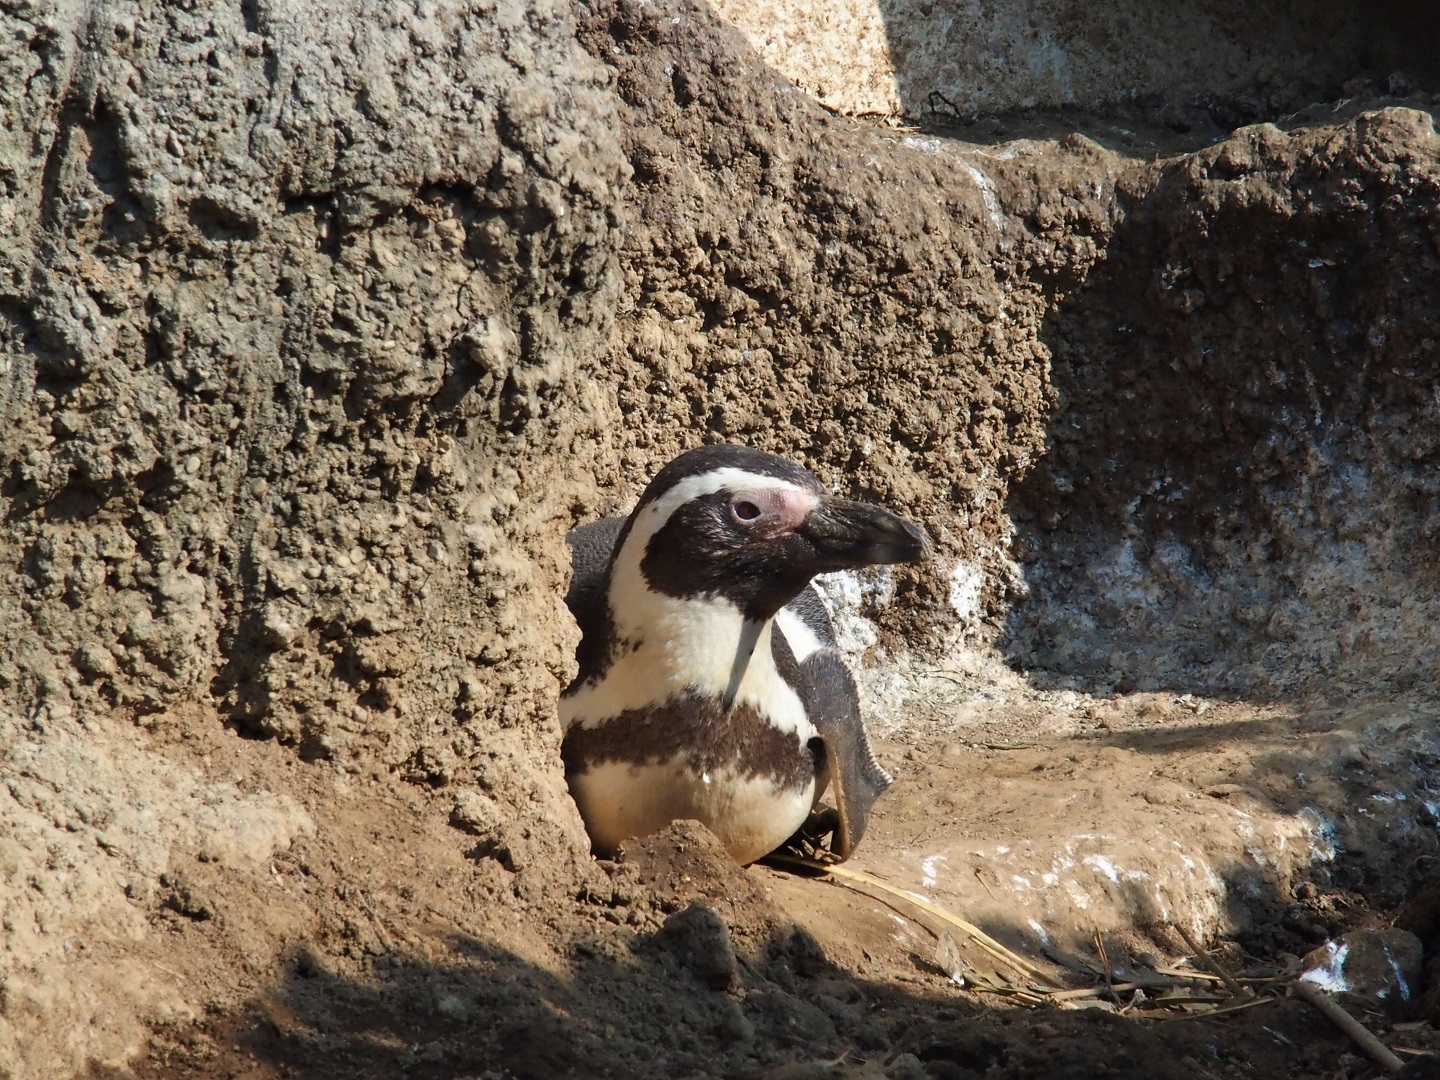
[
  {"x": 632, "y": 603},
  {"x": 655, "y": 515}
]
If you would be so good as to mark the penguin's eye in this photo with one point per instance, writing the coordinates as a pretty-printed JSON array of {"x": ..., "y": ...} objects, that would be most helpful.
[{"x": 745, "y": 510}]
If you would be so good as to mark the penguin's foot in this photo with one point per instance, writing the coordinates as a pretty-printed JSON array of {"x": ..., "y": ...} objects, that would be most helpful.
[{"x": 813, "y": 839}]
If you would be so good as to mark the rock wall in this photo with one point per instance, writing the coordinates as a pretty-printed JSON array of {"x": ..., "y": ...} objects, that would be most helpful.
[
  {"x": 969, "y": 60},
  {"x": 1240, "y": 491},
  {"x": 296, "y": 303},
  {"x": 296, "y": 306}
]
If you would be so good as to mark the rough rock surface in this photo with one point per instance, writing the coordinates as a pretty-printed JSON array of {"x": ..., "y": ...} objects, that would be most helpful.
[
  {"x": 319, "y": 325},
  {"x": 1241, "y": 487},
  {"x": 295, "y": 305},
  {"x": 969, "y": 60},
  {"x": 293, "y": 336}
]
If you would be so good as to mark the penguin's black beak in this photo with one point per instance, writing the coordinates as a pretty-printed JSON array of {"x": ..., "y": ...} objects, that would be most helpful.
[{"x": 845, "y": 534}]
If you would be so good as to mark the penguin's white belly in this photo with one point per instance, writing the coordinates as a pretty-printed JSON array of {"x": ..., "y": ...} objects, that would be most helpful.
[{"x": 752, "y": 815}]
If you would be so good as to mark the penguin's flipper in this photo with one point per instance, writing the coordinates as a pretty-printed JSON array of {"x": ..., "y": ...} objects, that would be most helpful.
[
  {"x": 855, "y": 776},
  {"x": 590, "y": 545}
]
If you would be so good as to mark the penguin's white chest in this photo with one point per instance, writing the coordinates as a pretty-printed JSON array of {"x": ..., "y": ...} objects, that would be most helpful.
[
  {"x": 751, "y": 815},
  {"x": 688, "y": 648},
  {"x": 650, "y": 742}
]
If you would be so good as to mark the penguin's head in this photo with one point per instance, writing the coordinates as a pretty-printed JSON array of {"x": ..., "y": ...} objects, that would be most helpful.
[{"x": 746, "y": 526}]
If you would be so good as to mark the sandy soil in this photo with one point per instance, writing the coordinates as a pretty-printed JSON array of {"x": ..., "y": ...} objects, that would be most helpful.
[{"x": 454, "y": 964}]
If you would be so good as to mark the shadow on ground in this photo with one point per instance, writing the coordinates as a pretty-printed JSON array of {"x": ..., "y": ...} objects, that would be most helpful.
[{"x": 483, "y": 1011}]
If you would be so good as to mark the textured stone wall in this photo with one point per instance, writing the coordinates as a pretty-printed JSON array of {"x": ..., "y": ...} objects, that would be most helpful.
[
  {"x": 1241, "y": 492},
  {"x": 296, "y": 299},
  {"x": 296, "y": 303},
  {"x": 965, "y": 59}
]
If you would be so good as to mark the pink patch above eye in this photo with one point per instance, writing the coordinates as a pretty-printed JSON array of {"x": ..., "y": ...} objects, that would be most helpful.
[{"x": 787, "y": 507}]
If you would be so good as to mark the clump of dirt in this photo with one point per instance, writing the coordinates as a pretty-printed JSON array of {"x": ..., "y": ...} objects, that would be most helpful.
[{"x": 321, "y": 331}]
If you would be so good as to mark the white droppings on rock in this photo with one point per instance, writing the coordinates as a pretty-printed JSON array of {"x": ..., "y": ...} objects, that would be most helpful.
[
  {"x": 1330, "y": 975},
  {"x": 1102, "y": 865},
  {"x": 1078, "y": 896},
  {"x": 1320, "y": 833},
  {"x": 928, "y": 868},
  {"x": 1401, "y": 983},
  {"x": 987, "y": 194},
  {"x": 845, "y": 594},
  {"x": 966, "y": 587},
  {"x": 928, "y": 146}
]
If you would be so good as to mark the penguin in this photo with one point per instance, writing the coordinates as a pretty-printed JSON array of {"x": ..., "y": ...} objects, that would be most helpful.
[{"x": 709, "y": 685}]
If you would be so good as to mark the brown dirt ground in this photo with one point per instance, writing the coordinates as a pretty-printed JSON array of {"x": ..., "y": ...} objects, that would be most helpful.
[{"x": 454, "y": 964}]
